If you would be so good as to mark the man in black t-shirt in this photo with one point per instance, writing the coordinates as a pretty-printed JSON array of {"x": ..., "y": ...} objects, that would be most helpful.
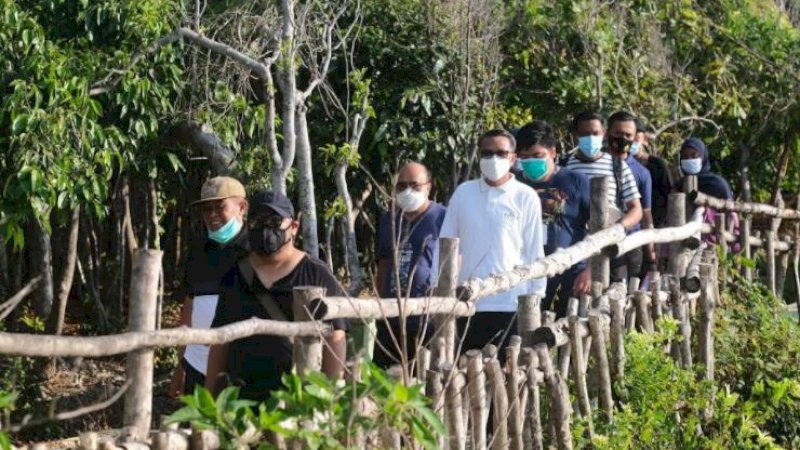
[{"x": 272, "y": 269}]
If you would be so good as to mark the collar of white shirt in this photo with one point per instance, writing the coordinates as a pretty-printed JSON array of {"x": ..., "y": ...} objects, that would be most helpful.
[{"x": 484, "y": 186}]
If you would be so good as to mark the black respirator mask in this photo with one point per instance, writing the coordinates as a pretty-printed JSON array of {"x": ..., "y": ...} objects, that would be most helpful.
[
  {"x": 267, "y": 240},
  {"x": 620, "y": 144}
]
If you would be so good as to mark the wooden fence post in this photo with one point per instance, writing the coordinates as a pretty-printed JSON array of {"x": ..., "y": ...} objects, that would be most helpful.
[
  {"x": 514, "y": 398},
  {"x": 446, "y": 287},
  {"x": 676, "y": 216},
  {"x": 476, "y": 384},
  {"x": 721, "y": 230},
  {"x": 617, "y": 338},
  {"x": 598, "y": 219},
  {"x": 499, "y": 405},
  {"x": 579, "y": 372},
  {"x": 642, "y": 305},
  {"x": 656, "y": 300},
  {"x": 771, "y": 260},
  {"x": 307, "y": 352},
  {"x": 452, "y": 406},
  {"x": 689, "y": 186},
  {"x": 532, "y": 430},
  {"x": 747, "y": 221},
  {"x": 601, "y": 361},
  {"x": 435, "y": 390},
  {"x": 146, "y": 270},
  {"x": 529, "y": 317},
  {"x": 560, "y": 409},
  {"x": 705, "y": 332}
]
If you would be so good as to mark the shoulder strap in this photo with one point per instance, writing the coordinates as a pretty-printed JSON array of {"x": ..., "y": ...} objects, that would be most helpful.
[
  {"x": 617, "y": 165},
  {"x": 265, "y": 298}
]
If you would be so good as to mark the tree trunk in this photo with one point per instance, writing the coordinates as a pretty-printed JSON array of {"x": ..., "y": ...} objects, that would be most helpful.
[
  {"x": 305, "y": 185},
  {"x": 42, "y": 262},
  {"x": 203, "y": 139},
  {"x": 287, "y": 83},
  {"x": 55, "y": 323},
  {"x": 4, "y": 287},
  {"x": 744, "y": 173}
]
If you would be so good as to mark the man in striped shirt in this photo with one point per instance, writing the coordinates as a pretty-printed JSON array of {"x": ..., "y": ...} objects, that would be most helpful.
[{"x": 590, "y": 160}]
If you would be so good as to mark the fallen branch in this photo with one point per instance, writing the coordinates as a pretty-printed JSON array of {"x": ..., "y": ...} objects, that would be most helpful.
[
  {"x": 96, "y": 346},
  {"x": 8, "y": 306}
]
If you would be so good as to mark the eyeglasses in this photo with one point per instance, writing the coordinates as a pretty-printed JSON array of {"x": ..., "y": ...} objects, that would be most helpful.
[
  {"x": 266, "y": 221},
  {"x": 401, "y": 186},
  {"x": 486, "y": 154}
]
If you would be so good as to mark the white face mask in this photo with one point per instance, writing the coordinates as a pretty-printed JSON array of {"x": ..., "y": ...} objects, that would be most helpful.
[
  {"x": 410, "y": 200},
  {"x": 495, "y": 168}
]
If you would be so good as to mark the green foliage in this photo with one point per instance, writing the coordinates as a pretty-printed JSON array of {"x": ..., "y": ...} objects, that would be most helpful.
[
  {"x": 317, "y": 412},
  {"x": 7, "y": 400}
]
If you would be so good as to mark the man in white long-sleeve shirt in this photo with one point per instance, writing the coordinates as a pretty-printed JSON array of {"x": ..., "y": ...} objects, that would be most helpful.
[{"x": 498, "y": 221}]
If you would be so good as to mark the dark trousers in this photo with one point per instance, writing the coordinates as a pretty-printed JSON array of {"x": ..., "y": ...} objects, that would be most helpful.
[
  {"x": 627, "y": 266},
  {"x": 386, "y": 352},
  {"x": 487, "y": 328},
  {"x": 559, "y": 291},
  {"x": 193, "y": 378}
]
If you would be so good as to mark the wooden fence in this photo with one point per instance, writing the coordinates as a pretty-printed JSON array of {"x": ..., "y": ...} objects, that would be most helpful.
[{"x": 538, "y": 362}]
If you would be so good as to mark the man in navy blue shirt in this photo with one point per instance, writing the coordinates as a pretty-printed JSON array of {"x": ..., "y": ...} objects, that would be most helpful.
[
  {"x": 407, "y": 237},
  {"x": 565, "y": 200},
  {"x": 621, "y": 137}
]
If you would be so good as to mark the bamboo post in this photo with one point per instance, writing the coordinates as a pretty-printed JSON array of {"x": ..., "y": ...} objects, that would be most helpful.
[
  {"x": 601, "y": 363},
  {"x": 499, "y": 405},
  {"x": 598, "y": 219},
  {"x": 145, "y": 274},
  {"x": 745, "y": 242},
  {"x": 529, "y": 317},
  {"x": 307, "y": 350},
  {"x": 435, "y": 391},
  {"x": 514, "y": 398},
  {"x": 676, "y": 216},
  {"x": 642, "y": 303},
  {"x": 579, "y": 373},
  {"x": 446, "y": 287},
  {"x": 532, "y": 429},
  {"x": 720, "y": 230},
  {"x": 617, "y": 338},
  {"x": 560, "y": 409},
  {"x": 478, "y": 401},
  {"x": 771, "y": 261},
  {"x": 706, "y": 323},
  {"x": 452, "y": 406}
]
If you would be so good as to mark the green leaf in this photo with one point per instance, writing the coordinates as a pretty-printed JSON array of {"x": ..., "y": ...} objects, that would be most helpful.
[{"x": 20, "y": 124}]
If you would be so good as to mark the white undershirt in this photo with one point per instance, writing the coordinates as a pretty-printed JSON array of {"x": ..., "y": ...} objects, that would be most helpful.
[
  {"x": 203, "y": 309},
  {"x": 498, "y": 228}
]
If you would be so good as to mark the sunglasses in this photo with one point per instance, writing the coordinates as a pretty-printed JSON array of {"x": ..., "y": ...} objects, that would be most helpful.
[
  {"x": 268, "y": 221},
  {"x": 486, "y": 154},
  {"x": 401, "y": 186}
]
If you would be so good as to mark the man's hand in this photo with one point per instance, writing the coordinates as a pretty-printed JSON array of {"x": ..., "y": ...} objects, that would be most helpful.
[{"x": 583, "y": 283}]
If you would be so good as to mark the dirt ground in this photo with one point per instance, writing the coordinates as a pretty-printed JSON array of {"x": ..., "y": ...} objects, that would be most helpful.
[{"x": 79, "y": 383}]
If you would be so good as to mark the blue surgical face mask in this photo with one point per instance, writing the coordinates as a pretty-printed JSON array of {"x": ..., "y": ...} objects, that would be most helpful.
[
  {"x": 634, "y": 148},
  {"x": 535, "y": 168},
  {"x": 226, "y": 232},
  {"x": 691, "y": 166},
  {"x": 590, "y": 145}
]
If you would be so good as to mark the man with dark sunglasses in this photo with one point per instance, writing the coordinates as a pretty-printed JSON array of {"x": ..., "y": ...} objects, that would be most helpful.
[
  {"x": 408, "y": 234},
  {"x": 260, "y": 285},
  {"x": 498, "y": 221}
]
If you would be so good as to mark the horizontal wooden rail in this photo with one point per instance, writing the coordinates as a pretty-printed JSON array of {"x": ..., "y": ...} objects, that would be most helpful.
[
  {"x": 554, "y": 264},
  {"x": 757, "y": 242},
  {"x": 689, "y": 233},
  {"x": 328, "y": 308},
  {"x": 97, "y": 346},
  {"x": 700, "y": 199}
]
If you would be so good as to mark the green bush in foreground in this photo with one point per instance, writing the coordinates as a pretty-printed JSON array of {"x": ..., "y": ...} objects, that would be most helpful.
[{"x": 316, "y": 412}]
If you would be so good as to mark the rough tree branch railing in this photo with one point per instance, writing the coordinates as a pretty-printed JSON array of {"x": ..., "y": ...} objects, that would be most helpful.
[
  {"x": 700, "y": 199},
  {"x": 99, "y": 346}
]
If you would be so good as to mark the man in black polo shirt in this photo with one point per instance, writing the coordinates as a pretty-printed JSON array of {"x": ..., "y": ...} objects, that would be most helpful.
[
  {"x": 222, "y": 206},
  {"x": 267, "y": 276}
]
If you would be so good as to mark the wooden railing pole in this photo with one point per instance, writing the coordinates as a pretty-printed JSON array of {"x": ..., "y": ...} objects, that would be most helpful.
[
  {"x": 446, "y": 287},
  {"x": 720, "y": 229},
  {"x": 598, "y": 220},
  {"x": 529, "y": 317},
  {"x": 745, "y": 242},
  {"x": 676, "y": 216},
  {"x": 705, "y": 332},
  {"x": 771, "y": 261},
  {"x": 689, "y": 186},
  {"x": 601, "y": 362},
  {"x": 579, "y": 373},
  {"x": 142, "y": 317},
  {"x": 307, "y": 352},
  {"x": 476, "y": 385}
]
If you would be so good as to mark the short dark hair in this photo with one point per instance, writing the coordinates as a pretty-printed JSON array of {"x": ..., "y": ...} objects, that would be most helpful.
[
  {"x": 585, "y": 116},
  {"x": 537, "y": 132},
  {"x": 499, "y": 132},
  {"x": 621, "y": 116}
]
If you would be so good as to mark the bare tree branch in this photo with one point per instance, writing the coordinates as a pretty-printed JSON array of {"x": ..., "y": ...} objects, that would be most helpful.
[
  {"x": 8, "y": 306},
  {"x": 68, "y": 415},
  {"x": 260, "y": 69},
  {"x": 686, "y": 119}
]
